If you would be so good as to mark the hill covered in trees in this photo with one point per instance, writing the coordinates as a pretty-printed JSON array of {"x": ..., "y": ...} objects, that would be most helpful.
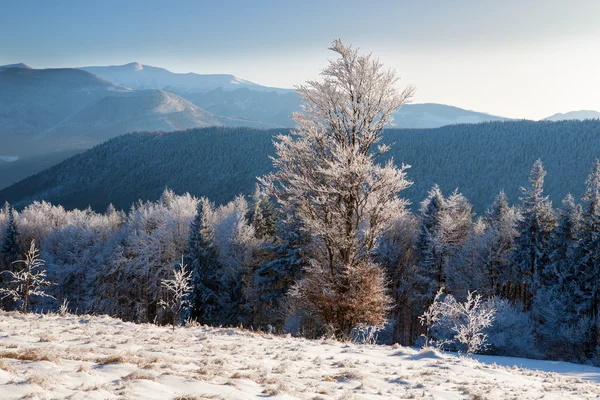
[{"x": 477, "y": 159}]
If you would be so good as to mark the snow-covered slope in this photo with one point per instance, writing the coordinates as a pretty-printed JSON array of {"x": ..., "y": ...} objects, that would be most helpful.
[
  {"x": 137, "y": 76},
  {"x": 79, "y": 357},
  {"x": 583, "y": 114}
]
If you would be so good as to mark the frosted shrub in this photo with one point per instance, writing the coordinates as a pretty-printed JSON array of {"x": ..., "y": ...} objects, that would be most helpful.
[
  {"x": 29, "y": 280},
  {"x": 178, "y": 291},
  {"x": 365, "y": 334},
  {"x": 63, "y": 310},
  {"x": 472, "y": 317},
  {"x": 465, "y": 322}
]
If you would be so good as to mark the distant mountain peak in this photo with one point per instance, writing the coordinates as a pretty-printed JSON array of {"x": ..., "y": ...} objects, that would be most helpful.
[
  {"x": 19, "y": 65},
  {"x": 136, "y": 66},
  {"x": 581, "y": 115}
]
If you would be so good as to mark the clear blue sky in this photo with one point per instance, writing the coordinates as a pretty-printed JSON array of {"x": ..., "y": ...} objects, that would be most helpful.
[{"x": 528, "y": 58}]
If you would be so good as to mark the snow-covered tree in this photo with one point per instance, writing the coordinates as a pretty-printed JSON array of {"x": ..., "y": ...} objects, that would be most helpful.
[
  {"x": 11, "y": 249},
  {"x": 326, "y": 174},
  {"x": 559, "y": 323},
  {"x": 263, "y": 216},
  {"x": 481, "y": 263},
  {"x": 445, "y": 225},
  {"x": 586, "y": 283},
  {"x": 564, "y": 245},
  {"x": 222, "y": 251},
  {"x": 499, "y": 237},
  {"x": 397, "y": 254},
  {"x": 441, "y": 307},
  {"x": 285, "y": 261},
  {"x": 202, "y": 256},
  {"x": 465, "y": 270},
  {"x": 532, "y": 248},
  {"x": 431, "y": 249},
  {"x": 561, "y": 331},
  {"x": 149, "y": 245},
  {"x": 178, "y": 290},
  {"x": 28, "y": 280}
]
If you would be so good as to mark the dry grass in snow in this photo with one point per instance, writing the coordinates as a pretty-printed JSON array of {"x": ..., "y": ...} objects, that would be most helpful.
[{"x": 83, "y": 357}]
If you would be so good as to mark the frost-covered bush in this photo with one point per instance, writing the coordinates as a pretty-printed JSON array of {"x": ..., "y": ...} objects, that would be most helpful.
[
  {"x": 177, "y": 292},
  {"x": 465, "y": 322},
  {"x": 28, "y": 279}
]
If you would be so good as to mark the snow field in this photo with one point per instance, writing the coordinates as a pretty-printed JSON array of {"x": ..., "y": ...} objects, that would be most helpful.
[{"x": 94, "y": 357}]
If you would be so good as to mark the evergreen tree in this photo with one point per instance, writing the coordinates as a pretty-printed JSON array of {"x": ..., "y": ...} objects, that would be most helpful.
[
  {"x": 445, "y": 225},
  {"x": 559, "y": 327},
  {"x": 564, "y": 244},
  {"x": 499, "y": 235},
  {"x": 465, "y": 271},
  {"x": 398, "y": 254},
  {"x": 587, "y": 280},
  {"x": 263, "y": 216},
  {"x": 531, "y": 254},
  {"x": 430, "y": 249},
  {"x": 274, "y": 278},
  {"x": 202, "y": 257},
  {"x": 11, "y": 250}
]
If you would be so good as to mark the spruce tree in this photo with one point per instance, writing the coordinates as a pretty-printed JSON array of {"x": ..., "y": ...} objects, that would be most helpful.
[
  {"x": 500, "y": 233},
  {"x": 202, "y": 258},
  {"x": 11, "y": 250},
  {"x": 587, "y": 281},
  {"x": 560, "y": 328},
  {"x": 274, "y": 278},
  {"x": 564, "y": 244},
  {"x": 263, "y": 216},
  {"x": 531, "y": 254},
  {"x": 431, "y": 256},
  {"x": 445, "y": 225}
]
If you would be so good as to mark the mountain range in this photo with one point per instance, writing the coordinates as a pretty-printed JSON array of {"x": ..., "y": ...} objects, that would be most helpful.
[
  {"x": 137, "y": 76},
  {"x": 46, "y": 114}
]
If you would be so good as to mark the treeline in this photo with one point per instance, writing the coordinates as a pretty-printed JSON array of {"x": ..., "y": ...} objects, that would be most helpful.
[
  {"x": 538, "y": 264},
  {"x": 220, "y": 163}
]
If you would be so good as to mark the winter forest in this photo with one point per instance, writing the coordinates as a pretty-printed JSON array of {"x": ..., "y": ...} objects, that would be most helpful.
[{"x": 328, "y": 246}]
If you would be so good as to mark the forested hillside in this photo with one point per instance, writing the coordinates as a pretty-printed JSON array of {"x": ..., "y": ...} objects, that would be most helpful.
[
  {"x": 478, "y": 159},
  {"x": 14, "y": 171}
]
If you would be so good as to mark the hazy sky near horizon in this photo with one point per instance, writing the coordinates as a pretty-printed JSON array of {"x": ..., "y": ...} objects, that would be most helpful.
[{"x": 520, "y": 59}]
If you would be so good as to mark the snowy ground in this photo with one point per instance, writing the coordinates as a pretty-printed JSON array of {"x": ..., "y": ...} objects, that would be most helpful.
[{"x": 77, "y": 357}]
